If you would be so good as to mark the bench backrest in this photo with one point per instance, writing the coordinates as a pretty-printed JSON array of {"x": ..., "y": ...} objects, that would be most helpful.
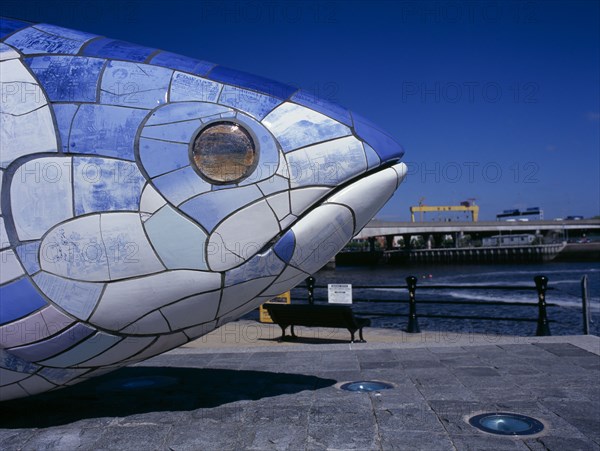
[{"x": 312, "y": 315}]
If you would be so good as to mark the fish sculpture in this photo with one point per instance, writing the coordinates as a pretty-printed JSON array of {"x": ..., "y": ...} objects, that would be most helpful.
[{"x": 148, "y": 198}]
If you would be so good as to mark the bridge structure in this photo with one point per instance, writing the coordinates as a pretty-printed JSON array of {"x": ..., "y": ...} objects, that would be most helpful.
[
  {"x": 470, "y": 241},
  {"x": 574, "y": 228}
]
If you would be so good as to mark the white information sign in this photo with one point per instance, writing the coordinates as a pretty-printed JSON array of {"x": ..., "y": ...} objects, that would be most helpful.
[{"x": 339, "y": 293}]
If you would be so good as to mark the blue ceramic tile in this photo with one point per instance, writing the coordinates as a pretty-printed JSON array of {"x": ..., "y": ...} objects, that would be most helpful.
[
  {"x": 178, "y": 241},
  {"x": 29, "y": 255},
  {"x": 296, "y": 126},
  {"x": 76, "y": 298},
  {"x": 210, "y": 208},
  {"x": 180, "y": 185},
  {"x": 250, "y": 102},
  {"x": 60, "y": 375},
  {"x": 333, "y": 110},
  {"x": 105, "y": 130},
  {"x": 261, "y": 265},
  {"x": 52, "y": 346},
  {"x": 284, "y": 248},
  {"x": 32, "y": 41},
  {"x": 66, "y": 33},
  {"x": 18, "y": 299},
  {"x": 8, "y": 26},
  {"x": 134, "y": 85},
  {"x": 15, "y": 363},
  {"x": 180, "y": 62},
  {"x": 102, "y": 184},
  {"x": 385, "y": 146},
  {"x": 253, "y": 82},
  {"x": 64, "y": 113},
  {"x": 67, "y": 78},
  {"x": 160, "y": 157},
  {"x": 114, "y": 49},
  {"x": 186, "y": 87}
]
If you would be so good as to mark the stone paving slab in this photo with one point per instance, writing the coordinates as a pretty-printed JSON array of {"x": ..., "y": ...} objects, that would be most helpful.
[{"x": 287, "y": 397}]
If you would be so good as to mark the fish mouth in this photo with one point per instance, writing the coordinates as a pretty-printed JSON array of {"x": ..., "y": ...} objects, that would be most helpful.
[{"x": 321, "y": 232}]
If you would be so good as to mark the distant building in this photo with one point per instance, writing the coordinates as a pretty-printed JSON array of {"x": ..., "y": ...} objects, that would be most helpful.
[{"x": 508, "y": 240}]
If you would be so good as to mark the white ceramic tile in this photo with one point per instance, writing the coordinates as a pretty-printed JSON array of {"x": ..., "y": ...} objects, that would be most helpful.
[
  {"x": 192, "y": 311},
  {"x": 7, "y": 52},
  {"x": 238, "y": 295},
  {"x": 259, "y": 226},
  {"x": 16, "y": 72},
  {"x": 134, "y": 85},
  {"x": 153, "y": 323},
  {"x": 304, "y": 198},
  {"x": 125, "y": 349},
  {"x": 27, "y": 330},
  {"x": 8, "y": 377},
  {"x": 116, "y": 310},
  {"x": 274, "y": 184},
  {"x": 287, "y": 221},
  {"x": 56, "y": 320},
  {"x": 180, "y": 132},
  {"x": 320, "y": 235},
  {"x": 4, "y": 243},
  {"x": 41, "y": 196},
  {"x": 28, "y": 134},
  {"x": 129, "y": 252},
  {"x": 36, "y": 384},
  {"x": 11, "y": 392},
  {"x": 261, "y": 265},
  {"x": 76, "y": 298},
  {"x": 373, "y": 159},
  {"x": 366, "y": 196},
  {"x": 185, "y": 111},
  {"x": 151, "y": 200},
  {"x": 75, "y": 250},
  {"x": 280, "y": 203},
  {"x": 187, "y": 87},
  {"x": 11, "y": 267},
  {"x": 85, "y": 350},
  {"x": 194, "y": 333},
  {"x": 179, "y": 242},
  {"x": 286, "y": 281},
  {"x": 296, "y": 126},
  {"x": 330, "y": 163},
  {"x": 162, "y": 344}
]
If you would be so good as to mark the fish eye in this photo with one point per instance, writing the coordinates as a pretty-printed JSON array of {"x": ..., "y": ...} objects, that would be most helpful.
[{"x": 223, "y": 152}]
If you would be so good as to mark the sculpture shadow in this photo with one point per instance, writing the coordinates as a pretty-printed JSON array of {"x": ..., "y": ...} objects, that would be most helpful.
[{"x": 138, "y": 390}]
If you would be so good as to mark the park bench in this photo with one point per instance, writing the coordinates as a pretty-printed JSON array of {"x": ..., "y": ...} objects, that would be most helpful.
[{"x": 338, "y": 316}]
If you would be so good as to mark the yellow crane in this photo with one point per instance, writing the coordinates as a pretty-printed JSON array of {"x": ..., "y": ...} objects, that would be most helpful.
[{"x": 466, "y": 206}]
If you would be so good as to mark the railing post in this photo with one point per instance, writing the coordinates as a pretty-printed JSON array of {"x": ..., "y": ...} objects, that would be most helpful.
[
  {"x": 413, "y": 322},
  {"x": 310, "y": 284},
  {"x": 543, "y": 329},
  {"x": 585, "y": 306}
]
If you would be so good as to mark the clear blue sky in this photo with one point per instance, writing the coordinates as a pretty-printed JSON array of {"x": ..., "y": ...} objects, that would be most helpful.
[{"x": 498, "y": 101}]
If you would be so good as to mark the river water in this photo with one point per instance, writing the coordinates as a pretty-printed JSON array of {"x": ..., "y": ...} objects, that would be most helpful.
[{"x": 565, "y": 311}]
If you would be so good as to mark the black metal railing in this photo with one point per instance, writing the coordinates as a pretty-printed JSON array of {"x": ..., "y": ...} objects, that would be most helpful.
[{"x": 540, "y": 287}]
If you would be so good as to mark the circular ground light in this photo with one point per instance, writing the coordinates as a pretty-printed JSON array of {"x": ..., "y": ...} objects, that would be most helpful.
[
  {"x": 366, "y": 386},
  {"x": 502, "y": 423},
  {"x": 139, "y": 383}
]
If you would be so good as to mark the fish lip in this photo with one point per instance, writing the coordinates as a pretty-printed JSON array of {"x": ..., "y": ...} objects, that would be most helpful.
[{"x": 271, "y": 243}]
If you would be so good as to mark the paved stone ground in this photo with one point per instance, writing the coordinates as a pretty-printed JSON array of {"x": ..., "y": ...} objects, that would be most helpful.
[{"x": 285, "y": 396}]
